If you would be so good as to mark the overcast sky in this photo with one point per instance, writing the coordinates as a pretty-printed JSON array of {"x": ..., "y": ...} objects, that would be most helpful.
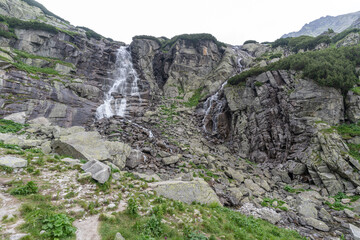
[{"x": 230, "y": 21}]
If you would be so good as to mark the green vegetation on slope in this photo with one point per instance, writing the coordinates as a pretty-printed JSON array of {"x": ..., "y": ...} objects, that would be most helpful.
[
  {"x": 33, "y": 25},
  {"x": 329, "y": 67},
  {"x": 91, "y": 34},
  {"x": 15, "y": 23},
  {"x": 343, "y": 34},
  {"x": 8, "y": 126},
  {"x": 302, "y": 42},
  {"x": 216, "y": 222}
]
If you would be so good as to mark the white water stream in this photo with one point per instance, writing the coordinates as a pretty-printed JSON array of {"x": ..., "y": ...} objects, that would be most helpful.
[{"x": 125, "y": 85}]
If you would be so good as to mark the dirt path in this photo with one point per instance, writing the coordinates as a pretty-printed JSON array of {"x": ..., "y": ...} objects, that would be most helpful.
[
  {"x": 88, "y": 228},
  {"x": 9, "y": 206}
]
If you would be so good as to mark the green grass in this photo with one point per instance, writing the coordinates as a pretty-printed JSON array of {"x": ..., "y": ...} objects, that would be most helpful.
[
  {"x": 35, "y": 70},
  {"x": 217, "y": 222},
  {"x": 338, "y": 206},
  {"x": 27, "y": 189},
  {"x": 53, "y": 61},
  {"x": 195, "y": 98},
  {"x": 348, "y": 130},
  {"x": 268, "y": 202},
  {"x": 8, "y": 126},
  {"x": 356, "y": 90},
  {"x": 293, "y": 190},
  {"x": 39, "y": 214}
]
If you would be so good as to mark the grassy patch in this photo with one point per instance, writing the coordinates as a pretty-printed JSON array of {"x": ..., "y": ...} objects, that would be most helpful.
[
  {"x": 293, "y": 190},
  {"x": 39, "y": 214},
  {"x": 356, "y": 90},
  {"x": 216, "y": 221},
  {"x": 91, "y": 34},
  {"x": 27, "y": 189},
  {"x": 338, "y": 206},
  {"x": 8, "y": 126},
  {"x": 195, "y": 98},
  {"x": 268, "y": 202},
  {"x": 53, "y": 61},
  {"x": 348, "y": 130}
]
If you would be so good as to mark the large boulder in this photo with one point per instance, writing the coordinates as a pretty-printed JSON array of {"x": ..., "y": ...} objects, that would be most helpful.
[
  {"x": 13, "y": 162},
  {"x": 135, "y": 159},
  {"x": 99, "y": 171},
  {"x": 119, "y": 153},
  {"x": 82, "y": 145},
  {"x": 186, "y": 191},
  {"x": 17, "y": 117}
]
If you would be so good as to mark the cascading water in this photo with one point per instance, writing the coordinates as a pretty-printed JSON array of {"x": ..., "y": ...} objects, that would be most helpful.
[
  {"x": 124, "y": 92},
  {"x": 214, "y": 105},
  {"x": 125, "y": 85}
]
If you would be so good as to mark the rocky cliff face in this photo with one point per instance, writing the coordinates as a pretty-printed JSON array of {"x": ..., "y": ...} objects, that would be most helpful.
[
  {"x": 69, "y": 95},
  {"x": 284, "y": 122},
  {"x": 185, "y": 67}
]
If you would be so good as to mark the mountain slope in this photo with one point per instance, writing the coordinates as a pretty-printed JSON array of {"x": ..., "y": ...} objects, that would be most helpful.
[{"x": 318, "y": 26}]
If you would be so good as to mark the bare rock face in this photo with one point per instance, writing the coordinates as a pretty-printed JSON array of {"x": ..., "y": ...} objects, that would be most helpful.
[
  {"x": 69, "y": 99},
  {"x": 184, "y": 67},
  {"x": 352, "y": 102},
  {"x": 285, "y": 122}
]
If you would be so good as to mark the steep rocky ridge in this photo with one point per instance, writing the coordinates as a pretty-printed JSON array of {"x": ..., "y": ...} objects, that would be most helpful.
[
  {"x": 69, "y": 97},
  {"x": 318, "y": 26}
]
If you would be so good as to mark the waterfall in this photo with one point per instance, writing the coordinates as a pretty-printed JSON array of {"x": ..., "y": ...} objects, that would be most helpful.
[
  {"x": 215, "y": 104},
  {"x": 124, "y": 88}
]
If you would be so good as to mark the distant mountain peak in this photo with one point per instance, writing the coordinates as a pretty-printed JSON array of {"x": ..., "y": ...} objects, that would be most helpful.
[{"x": 337, "y": 23}]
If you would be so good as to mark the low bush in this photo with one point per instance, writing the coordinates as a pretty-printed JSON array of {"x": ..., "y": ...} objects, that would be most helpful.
[
  {"x": 27, "y": 189},
  {"x": 91, "y": 34},
  {"x": 58, "y": 226},
  {"x": 329, "y": 67},
  {"x": 249, "y": 41},
  {"x": 8, "y": 126}
]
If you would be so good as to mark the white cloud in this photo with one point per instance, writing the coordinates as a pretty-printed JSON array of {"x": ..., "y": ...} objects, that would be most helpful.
[{"x": 230, "y": 21}]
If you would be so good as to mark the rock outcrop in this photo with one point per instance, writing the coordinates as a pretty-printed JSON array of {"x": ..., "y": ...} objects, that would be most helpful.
[
  {"x": 285, "y": 123},
  {"x": 184, "y": 67}
]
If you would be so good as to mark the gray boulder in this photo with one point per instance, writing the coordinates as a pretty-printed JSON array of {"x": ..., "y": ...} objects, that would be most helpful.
[
  {"x": 135, "y": 159},
  {"x": 13, "y": 162},
  {"x": 119, "y": 153},
  {"x": 307, "y": 209},
  {"x": 82, "y": 145},
  {"x": 355, "y": 232},
  {"x": 317, "y": 224},
  {"x": 17, "y": 117},
  {"x": 186, "y": 191},
  {"x": 146, "y": 177},
  {"x": 118, "y": 236},
  {"x": 99, "y": 171},
  {"x": 172, "y": 159},
  {"x": 236, "y": 175}
]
